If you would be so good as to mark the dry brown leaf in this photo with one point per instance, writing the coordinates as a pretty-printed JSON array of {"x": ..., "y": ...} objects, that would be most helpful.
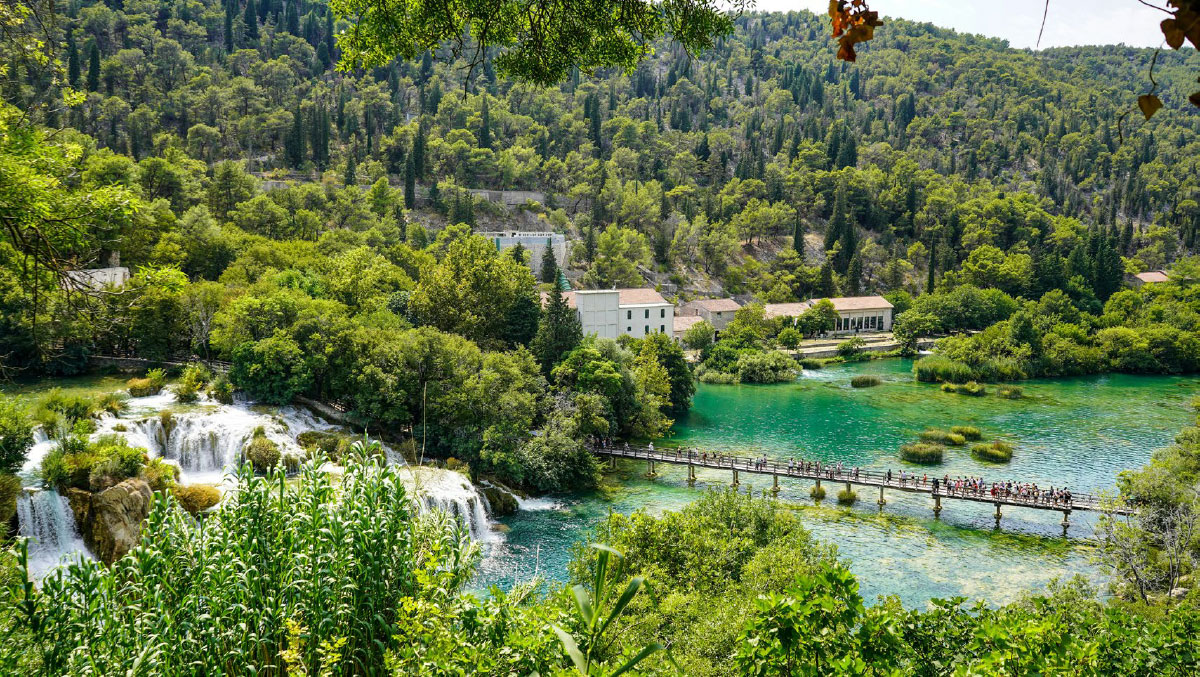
[{"x": 1149, "y": 105}]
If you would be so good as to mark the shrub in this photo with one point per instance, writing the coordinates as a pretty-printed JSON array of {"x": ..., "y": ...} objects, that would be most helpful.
[
  {"x": 195, "y": 376},
  {"x": 120, "y": 428},
  {"x": 159, "y": 474},
  {"x": 995, "y": 452},
  {"x": 716, "y": 377},
  {"x": 765, "y": 367},
  {"x": 1011, "y": 392},
  {"x": 93, "y": 466},
  {"x": 789, "y": 338},
  {"x": 458, "y": 466},
  {"x": 949, "y": 388},
  {"x": 817, "y": 492},
  {"x": 196, "y": 498},
  {"x": 968, "y": 432},
  {"x": 10, "y": 490},
  {"x": 811, "y": 363},
  {"x": 221, "y": 390},
  {"x": 921, "y": 452},
  {"x": 865, "y": 381},
  {"x": 319, "y": 441},
  {"x": 16, "y": 435},
  {"x": 973, "y": 389},
  {"x": 153, "y": 384},
  {"x": 934, "y": 368},
  {"x": 846, "y": 497},
  {"x": 186, "y": 393},
  {"x": 851, "y": 349},
  {"x": 262, "y": 453}
]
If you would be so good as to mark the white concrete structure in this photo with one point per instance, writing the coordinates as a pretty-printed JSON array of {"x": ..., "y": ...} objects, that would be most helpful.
[
  {"x": 609, "y": 313},
  {"x": 97, "y": 278},
  {"x": 718, "y": 312},
  {"x": 855, "y": 313},
  {"x": 535, "y": 244}
]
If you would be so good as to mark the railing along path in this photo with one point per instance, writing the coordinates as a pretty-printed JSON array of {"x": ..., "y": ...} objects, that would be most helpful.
[{"x": 883, "y": 479}]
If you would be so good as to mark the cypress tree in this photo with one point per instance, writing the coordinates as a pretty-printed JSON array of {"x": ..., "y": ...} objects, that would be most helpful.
[
  {"x": 93, "y": 76},
  {"x": 330, "y": 42},
  {"x": 294, "y": 147},
  {"x": 251, "y": 19},
  {"x": 854, "y": 275},
  {"x": 549, "y": 265},
  {"x": 292, "y": 18},
  {"x": 72, "y": 61},
  {"x": 559, "y": 331},
  {"x": 521, "y": 321},
  {"x": 419, "y": 150},
  {"x": 932, "y": 267},
  {"x": 798, "y": 236},
  {"x": 485, "y": 132},
  {"x": 410, "y": 183},
  {"x": 228, "y": 28},
  {"x": 825, "y": 286},
  {"x": 351, "y": 178}
]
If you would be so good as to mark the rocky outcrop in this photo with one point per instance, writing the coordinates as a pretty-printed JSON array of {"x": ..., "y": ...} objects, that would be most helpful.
[
  {"x": 501, "y": 502},
  {"x": 111, "y": 521}
]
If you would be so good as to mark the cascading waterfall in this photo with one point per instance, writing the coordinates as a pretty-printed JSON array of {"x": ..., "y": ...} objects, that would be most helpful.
[
  {"x": 46, "y": 519},
  {"x": 453, "y": 494}
]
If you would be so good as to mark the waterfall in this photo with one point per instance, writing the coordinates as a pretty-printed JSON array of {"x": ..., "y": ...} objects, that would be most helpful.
[
  {"x": 42, "y": 444},
  {"x": 207, "y": 444},
  {"x": 453, "y": 494},
  {"x": 46, "y": 519}
]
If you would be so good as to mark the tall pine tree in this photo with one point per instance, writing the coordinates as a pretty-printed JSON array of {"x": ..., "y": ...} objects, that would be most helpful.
[
  {"x": 251, "y": 19},
  {"x": 485, "y": 131},
  {"x": 93, "y": 76},
  {"x": 549, "y": 264},
  {"x": 72, "y": 61},
  {"x": 559, "y": 331}
]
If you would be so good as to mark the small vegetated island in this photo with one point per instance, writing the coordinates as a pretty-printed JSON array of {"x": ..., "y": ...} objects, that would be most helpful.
[{"x": 394, "y": 213}]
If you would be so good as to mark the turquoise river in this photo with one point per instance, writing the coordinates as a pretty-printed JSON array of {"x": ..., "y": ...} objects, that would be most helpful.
[{"x": 1078, "y": 432}]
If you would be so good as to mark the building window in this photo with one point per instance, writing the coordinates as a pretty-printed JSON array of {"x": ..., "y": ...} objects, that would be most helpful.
[
  {"x": 647, "y": 313},
  {"x": 628, "y": 330},
  {"x": 628, "y": 314},
  {"x": 662, "y": 312},
  {"x": 662, "y": 328},
  {"x": 646, "y": 330}
]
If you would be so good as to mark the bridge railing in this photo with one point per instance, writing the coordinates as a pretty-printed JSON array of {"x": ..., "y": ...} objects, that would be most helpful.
[{"x": 814, "y": 469}]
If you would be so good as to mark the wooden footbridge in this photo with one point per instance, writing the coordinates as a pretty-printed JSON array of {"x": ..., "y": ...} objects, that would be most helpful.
[{"x": 882, "y": 479}]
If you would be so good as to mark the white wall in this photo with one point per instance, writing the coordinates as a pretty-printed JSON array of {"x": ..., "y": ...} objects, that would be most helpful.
[
  {"x": 597, "y": 312},
  {"x": 635, "y": 323}
]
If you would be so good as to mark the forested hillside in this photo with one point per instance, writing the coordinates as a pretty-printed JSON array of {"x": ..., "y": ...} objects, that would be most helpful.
[{"x": 937, "y": 143}]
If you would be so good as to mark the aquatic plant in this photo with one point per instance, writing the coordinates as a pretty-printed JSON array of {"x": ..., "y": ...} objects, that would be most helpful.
[
  {"x": 922, "y": 452},
  {"x": 993, "y": 452},
  {"x": 812, "y": 363},
  {"x": 865, "y": 381},
  {"x": 113, "y": 403},
  {"x": 152, "y": 384},
  {"x": 159, "y": 474},
  {"x": 949, "y": 388},
  {"x": 939, "y": 436},
  {"x": 847, "y": 497},
  {"x": 934, "y": 368},
  {"x": 817, "y": 492},
  {"x": 968, "y": 432},
  {"x": 973, "y": 389},
  {"x": 1010, "y": 392}
]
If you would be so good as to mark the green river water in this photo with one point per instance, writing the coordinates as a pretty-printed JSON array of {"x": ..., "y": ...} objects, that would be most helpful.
[{"x": 1078, "y": 432}]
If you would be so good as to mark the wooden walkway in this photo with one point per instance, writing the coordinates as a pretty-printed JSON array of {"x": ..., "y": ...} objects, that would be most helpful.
[{"x": 882, "y": 479}]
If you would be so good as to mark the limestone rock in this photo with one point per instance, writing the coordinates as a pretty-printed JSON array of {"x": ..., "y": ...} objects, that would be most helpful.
[
  {"x": 1178, "y": 593},
  {"x": 81, "y": 505},
  {"x": 501, "y": 502},
  {"x": 116, "y": 517}
]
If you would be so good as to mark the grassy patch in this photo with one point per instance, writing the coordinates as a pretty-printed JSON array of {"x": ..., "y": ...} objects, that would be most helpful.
[
  {"x": 922, "y": 452},
  {"x": 968, "y": 432},
  {"x": 994, "y": 452},
  {"x": 865, "y": 381}
]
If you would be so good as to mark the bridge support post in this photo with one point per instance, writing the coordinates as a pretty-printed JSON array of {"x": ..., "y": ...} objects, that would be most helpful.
[
  {"x": 650, "y": 470},
  {"x": 882, "y": 502},
  {"x": 997, "y": 515},
  {"x": 691, "y": 474},
  {"x": 612, "y": 462},
  {"x": 735, "y": 477},
  {"x": 1066, "y": 523},
  {"x": 937, "y": 505},
  {"x": 775, "y": 487}
]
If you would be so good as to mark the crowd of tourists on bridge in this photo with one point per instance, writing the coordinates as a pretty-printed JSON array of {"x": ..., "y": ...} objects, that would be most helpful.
[{"x": 1028, "y": 492}]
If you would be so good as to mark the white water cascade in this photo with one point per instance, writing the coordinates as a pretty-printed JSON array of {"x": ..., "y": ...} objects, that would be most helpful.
[
  {"x": 453, "y": 494},
  {"x": 46, "y": 519},
  {"x": 207, "y": 444}
]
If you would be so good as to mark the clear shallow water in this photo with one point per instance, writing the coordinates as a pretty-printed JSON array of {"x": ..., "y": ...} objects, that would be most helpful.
[{"x": 1075, "y": 432}]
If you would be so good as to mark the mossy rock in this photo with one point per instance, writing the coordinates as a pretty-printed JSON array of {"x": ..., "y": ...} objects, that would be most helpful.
[
  {"x": 10, "y": 490},
  {"x": 196, "y": 498},
  {"x": 502, "y": 502},
  {"x": 1010, "y": 392},
  {"x": 262, "y": 453},
  {"x": 817, "y": 492},
  {"x": 923, "y": 453},
  {"x": 973, "y": 389}
]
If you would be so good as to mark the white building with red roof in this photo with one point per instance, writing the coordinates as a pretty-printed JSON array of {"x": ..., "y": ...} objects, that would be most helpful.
[{"x": 609, "y": 313}]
